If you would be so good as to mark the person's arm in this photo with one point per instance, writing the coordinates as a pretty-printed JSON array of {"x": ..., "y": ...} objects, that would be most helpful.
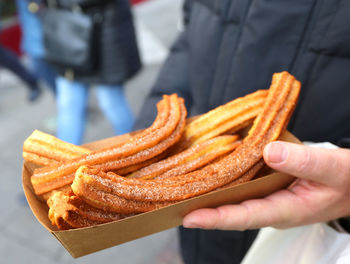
[
  {"x": 320, "y": 193},
  {"x": 173, "y": 77}
]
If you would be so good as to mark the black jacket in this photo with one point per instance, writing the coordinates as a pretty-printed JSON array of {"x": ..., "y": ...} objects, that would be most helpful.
[{"x": 232, "y": 47}]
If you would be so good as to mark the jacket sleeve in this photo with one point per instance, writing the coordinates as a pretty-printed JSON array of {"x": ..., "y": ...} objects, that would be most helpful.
[
  {"x": 173, "y": 77},
  {"x": 344, "y": 143}
]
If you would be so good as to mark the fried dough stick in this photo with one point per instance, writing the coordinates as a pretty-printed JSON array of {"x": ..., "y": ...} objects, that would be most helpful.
[
  {"x": 68, "y": 211},
  {"x": 114, "y": 203},
  {"x": 231, "y": 116},
  {"x": 269, "y": 124},
  {"x": 164, "y": 132},
  {"x": 189, "y": 160},
  {"x": 44, "y": 149}
]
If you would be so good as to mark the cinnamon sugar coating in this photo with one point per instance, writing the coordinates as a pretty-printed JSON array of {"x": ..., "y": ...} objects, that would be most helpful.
[
  {"x": 69, "y": 211},
  {"x": 189, "y": 159},
  {"x": 269, "y": 124},
  {"x": 44, "y": 149},
  {"x": 164, "y": 132}
]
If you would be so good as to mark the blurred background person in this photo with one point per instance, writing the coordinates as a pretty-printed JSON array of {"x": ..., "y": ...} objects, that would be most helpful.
[
  {"x": 32, "y": 43},
  {"x": 10, "y": 61},
  {"x": 21, "y": 232},
  {"x": 118, "y": 60}
]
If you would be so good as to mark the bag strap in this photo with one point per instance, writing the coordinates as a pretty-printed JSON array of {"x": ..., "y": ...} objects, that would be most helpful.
[
  {"x": 341, "y": 225},
  {"x": 55, "y": 4},
  {"x": 52, "y": 3}
]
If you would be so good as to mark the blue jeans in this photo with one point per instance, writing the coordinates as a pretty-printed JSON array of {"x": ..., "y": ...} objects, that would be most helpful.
[
  {"x": 72, "y": 99},
  {"x": 44, "y": 72},
  {"x": 10, "y": 61}
]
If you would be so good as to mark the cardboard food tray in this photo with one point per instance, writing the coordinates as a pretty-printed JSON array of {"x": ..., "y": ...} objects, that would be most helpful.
[{"x": 83, "y": 241}]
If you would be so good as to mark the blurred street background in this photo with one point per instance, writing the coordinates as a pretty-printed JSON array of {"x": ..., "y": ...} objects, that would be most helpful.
[{"x": 22, "y": 238}]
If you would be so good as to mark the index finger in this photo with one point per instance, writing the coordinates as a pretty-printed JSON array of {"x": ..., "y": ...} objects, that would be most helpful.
[
  {"x": 275, "y": 210},
  {"x": 325, "y": 166}
]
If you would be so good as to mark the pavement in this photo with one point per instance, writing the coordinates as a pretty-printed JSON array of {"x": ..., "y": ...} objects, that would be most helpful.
[{"x": 22, "y": 238}]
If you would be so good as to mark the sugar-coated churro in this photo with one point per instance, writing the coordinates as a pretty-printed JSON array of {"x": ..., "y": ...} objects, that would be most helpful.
[
  {"x": 231, "y": 116},
  {"x": 69, "y": 211},
  {"x": 269, "y": 124},
  {"x": 44, "y": 149},
  {"x": 190, "y": 159},
  {"x": 164, "y": 132}
]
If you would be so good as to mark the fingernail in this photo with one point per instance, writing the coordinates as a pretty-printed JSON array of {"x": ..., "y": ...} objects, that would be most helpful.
[
  {"x": 275, "y": 152},
  {"x": 189, "y": 224}
]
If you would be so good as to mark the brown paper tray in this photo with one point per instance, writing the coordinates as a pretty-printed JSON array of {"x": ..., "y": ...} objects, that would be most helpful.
[{"x": 83, "y": 241}]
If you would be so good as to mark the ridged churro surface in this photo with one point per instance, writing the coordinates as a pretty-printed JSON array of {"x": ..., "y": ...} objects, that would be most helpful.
[
  {"x": 169, "y": 162},
  {"x": 190, "y": 159},
  {"x": 69, "y": 211},
  {"x": 269, "y": 124},
  {"x": 44, "y": 149},
  {"x": 229, "y": 117},
  {"x": 164, "y": 132}
]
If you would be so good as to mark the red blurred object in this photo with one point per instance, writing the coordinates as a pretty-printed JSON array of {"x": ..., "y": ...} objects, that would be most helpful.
[
  {"x": 10, "y": 37},
  {"x": 135, "y": 2}
]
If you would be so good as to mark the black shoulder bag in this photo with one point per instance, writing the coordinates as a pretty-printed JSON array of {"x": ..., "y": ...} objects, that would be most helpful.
[{"x": 71, "y": 37}]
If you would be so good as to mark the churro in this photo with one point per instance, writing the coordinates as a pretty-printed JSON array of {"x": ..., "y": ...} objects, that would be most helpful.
[
  {"x": 68, "y": 211},
  {"x": 44, "y": 149},
  {"x": 248, "y": 176},
  {"x": 164, "y": 132},
  {"x": 269, "y": 124},
  {"x": 231, "y": 117},
  {"x": 189, "y": 160}
]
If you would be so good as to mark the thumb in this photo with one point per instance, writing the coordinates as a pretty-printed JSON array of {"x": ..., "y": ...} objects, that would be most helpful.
[{"x": 321, "y": 165}]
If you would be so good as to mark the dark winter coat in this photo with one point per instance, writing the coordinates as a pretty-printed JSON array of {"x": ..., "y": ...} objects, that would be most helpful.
[{"x": 232, "y": 47}]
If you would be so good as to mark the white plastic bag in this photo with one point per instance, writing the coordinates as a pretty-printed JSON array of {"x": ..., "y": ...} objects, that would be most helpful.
[
  {"x": 317, "y": 243},
  {"x": 312, "y": 244}
]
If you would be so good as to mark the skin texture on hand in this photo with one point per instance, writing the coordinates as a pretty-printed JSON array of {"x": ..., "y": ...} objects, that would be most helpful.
[{"x": 320, "y": 193}]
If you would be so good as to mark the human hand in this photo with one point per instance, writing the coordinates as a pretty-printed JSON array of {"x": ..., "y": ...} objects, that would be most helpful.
[{"x": 320, "y": 193}]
